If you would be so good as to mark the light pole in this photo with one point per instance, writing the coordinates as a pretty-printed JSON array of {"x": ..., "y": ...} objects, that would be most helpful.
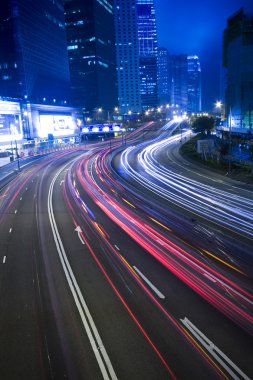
[
  {"x": 122, "y": 135},
  {"x": 229, "y": 140},
  {"x": 16, "y": 146},
  {"x": 99, "y": 111},
  {"x": 17, "y": 154},
  {"x": 219, "y": 106}
]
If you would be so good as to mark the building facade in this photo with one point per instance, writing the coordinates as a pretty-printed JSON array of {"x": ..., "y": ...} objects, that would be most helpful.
[
  {"x": 194, "y": 84},
  {"x": 179, "y": 81},
  {"x": 33, "y": 55},
  {"x": 238, "y": 62},
  {"x": 163, "y": 75},
  {"x": 147, "y": 38},
  {"x": 186, "y": 82},
  {"x": 91, "y": 51},
  {"x": 127, "y": 52}
]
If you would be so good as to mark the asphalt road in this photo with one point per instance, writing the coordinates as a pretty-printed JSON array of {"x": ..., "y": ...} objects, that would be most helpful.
[{"x": 91, "y": 287}]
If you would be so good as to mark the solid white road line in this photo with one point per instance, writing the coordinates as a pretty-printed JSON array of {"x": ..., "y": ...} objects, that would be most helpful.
[
  {"x": 87, "y": 320},
  {"x": 160, "y": 295},
  {"x": 221, "y": 358}
]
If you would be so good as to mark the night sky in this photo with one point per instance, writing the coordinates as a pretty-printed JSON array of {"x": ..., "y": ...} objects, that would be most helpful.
[{"x": 196, "y": 27}]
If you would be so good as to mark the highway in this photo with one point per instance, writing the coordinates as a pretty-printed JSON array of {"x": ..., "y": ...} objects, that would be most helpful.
[{"x": 121, "y": 261}]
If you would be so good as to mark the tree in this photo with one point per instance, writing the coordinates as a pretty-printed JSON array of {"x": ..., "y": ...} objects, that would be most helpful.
[{"x": 203, "y": 124}]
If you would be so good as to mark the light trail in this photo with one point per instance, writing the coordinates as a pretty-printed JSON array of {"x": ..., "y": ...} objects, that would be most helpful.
[
  {"x": 193, "y": 271},
  {"x": 232, "y": 211}
]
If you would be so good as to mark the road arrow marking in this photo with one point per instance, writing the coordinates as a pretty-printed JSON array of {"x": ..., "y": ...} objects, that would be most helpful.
[{"x": 79, "y": 231}]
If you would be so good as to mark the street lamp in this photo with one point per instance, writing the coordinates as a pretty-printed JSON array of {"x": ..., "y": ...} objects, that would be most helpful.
[
  {"x": 99, "y": 110},
  {"x": 122, "y": 135},
  {"x": 229, "y": 140},
  {"x": 219, "y": 106},
  {"x": 12, "y": 132}
]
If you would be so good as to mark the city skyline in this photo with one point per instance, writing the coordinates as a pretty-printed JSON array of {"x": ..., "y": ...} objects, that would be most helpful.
[{"x": 176, "y": 33}]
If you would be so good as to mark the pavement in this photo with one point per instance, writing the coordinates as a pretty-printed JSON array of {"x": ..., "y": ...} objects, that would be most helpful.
[{"x": 4, "y": 161}]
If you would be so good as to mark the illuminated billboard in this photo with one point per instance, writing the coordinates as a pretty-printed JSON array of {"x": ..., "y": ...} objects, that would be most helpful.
[
  {"x": 57, "y": 125},
  {"x": 96, "y": 128},
  {"x": 10, "y": 128}
]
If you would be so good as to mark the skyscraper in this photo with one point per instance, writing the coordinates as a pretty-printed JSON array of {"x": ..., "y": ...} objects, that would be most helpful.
[
  {"x": 238, "y": 62},
  {"x": 163, "y": 75},
  {"x": 91, "y": 50},
  {"x": 194, "y": 84},
  {"x": 186, "y": 82},
  {"x": 127, "y": 52},
  {"x": 33, "y": 55},
  {"x": 179, "y": 81},
  {"x": 147, "y": 37}
]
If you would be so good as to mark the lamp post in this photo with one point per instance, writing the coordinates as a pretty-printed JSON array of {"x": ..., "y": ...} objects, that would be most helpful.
[
  {"x": 122, "y": 135},
  {"x": 16, "y": 146},
  {"x": 219, "y": 106},
  {"x": 17, "y": 154},
  {"x": 99, "y": 111},
  {"x": 11, "y": 142},
  {"x": 229, "y": 140}
]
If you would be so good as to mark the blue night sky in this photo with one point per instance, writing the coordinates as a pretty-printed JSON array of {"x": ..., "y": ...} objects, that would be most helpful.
[{"x": 196, "y": 27}]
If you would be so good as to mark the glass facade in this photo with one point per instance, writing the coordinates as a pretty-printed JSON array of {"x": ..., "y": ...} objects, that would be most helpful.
[
  {"x": 163, "y": 75},
  {"x": 147, "y": 37},
  {"x": 91, "y": 51},
  {"x": 33, "y": 56},
  {"x": 179, "y": 81},
  {"x": 238, "y": 62},
  {"x": 186, "y": 82},
  {"x": 127, "y": 56},
  {"x": 194, "y": 84}
]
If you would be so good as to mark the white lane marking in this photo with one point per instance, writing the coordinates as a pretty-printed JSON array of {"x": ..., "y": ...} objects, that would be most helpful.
[
  {"x": 26, "y": 188},
  {"x": 16, "y": 211},
  {"x": 116, "y": 247},
  {"x": 87, "y": 320},
  {"x": 20, "y": 198},
  {"x": 160, "y": 295},
  {"x": 79, "y": 231},
  {"x": 10, "y": 230},
  {"x": 210, "y": 347},
  {"x": 62, "y": 181},
  {"x": 4, "y": 259}
]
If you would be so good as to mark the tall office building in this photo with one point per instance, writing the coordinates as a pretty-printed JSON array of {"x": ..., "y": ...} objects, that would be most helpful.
[
  {"x": 147, "y": 37},
  {"x": 163, "y": 75},
  {"x": 186, "y": 82},
  {"x": 33, "y": 55},
  {"x": 238, "y": 62},
  {"x": 91, "y": 50},
  {"x": 194, "y": 84},
  {"x": 179, "y": 81},
  {"x": 127, "y": 52}
]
